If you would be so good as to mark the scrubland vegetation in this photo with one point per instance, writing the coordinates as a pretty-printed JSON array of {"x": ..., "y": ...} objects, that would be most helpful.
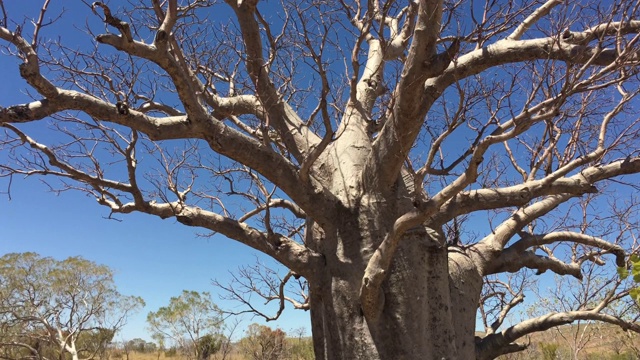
[
  {"x": 586, "y": 341},
  {"x": 259, "y": 343},
  {"x": 77, "y": 314},
  {"x": 71, "y": 310}
]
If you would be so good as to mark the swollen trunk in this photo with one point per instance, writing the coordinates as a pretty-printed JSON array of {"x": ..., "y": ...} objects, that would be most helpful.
[{"x": 421, "y": 317}]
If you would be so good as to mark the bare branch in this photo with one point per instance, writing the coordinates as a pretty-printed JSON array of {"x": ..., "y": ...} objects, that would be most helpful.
[
  {"x": 297, "y": 211},
  {"x": 66, "y": 170},
  {"x": 286, "y": 251},
  {"x": 39, "y": 24},
  {"x": 539, "y": 13},
  {"x": 512, "y": 261},
  {"x": 505, "y": 311},
  {"x": 264, "y": 282},
  {"x": 30, "y": 69},
  {"x": 122, "y": 26},
  {"x": 491, "y": 346},
  {"x": 520, "y": 218},
  {"x": 218, "y": 135},
  {"x": 528, "y": 241},
  {"x": 511, "y": 51},
  {"x": 294, "y": 133},
  {"x": 399, "y": 131},
  {"x": 169, "y": 20},
  {"x": 613, "y": 28}
]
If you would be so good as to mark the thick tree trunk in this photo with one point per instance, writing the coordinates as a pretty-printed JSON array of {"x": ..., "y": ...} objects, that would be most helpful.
[
  {"x": 429, "y": 295},
  {"x": 427, "y": 313}
]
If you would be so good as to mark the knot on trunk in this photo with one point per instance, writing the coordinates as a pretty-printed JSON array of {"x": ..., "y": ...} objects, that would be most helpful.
[
  {"x": 122, "y": 107},
  {"x": 186, "y": 220},
  {"x": 161, "y": 37},
  {"x": 17, "y": 112},
  {"x": 437, "y": 64},
  {"x": 27, "y": 70}
]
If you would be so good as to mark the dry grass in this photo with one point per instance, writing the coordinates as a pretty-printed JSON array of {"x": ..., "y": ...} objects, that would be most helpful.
[
  {"x": 155, "y": 356},
  {"x": 595, "y": 337},
  {"x": 592, "y": 340}
]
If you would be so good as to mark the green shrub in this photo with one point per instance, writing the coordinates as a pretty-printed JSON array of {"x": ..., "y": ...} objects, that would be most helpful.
[
  {"x": 549, "y": 351},
  {"x": 301, "y": 349},
  {"x": 171, "y": 352},
  {"x": 624, "y": 356}
]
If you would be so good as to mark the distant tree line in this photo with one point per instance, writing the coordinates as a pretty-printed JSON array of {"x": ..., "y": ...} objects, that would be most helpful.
[
  {"x": 259, "y": 343},
  {"x": 194, "y": 328},
  {"x": 141, "y": 346},
  {"x": 71, "y": 310}
]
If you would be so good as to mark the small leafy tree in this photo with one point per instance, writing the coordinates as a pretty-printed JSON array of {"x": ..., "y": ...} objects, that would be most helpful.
[
  {"x": 632, "y": 270},
  {"x": 300, "y": 347},
  {"x": 187, "y": 319},
  {"x": 208, "y": 345},
  {"x": 54, "y": 309},
  {"x": 141, "y": 345},
  {"x": 549, "y": 351},
  {"x": 159, "y": 339},
  {"x": 95, "y": 343},
  {"x": 263, "y": 343},
  {"x": 171, "y": 352}
]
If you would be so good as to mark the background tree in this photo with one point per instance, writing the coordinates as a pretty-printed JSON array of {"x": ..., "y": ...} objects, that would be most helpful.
[
  {"x": 351, "y": 141},
  {"x": 264, "y": 343},
  {"x": 191, "y": 321},
  {"x": 126, "y": 349},
  {"x": 300, "y": 345},
  {"x": 95, "y": 343},
  {"x": 226, "y": 340},
  {"x": 160, "y": 341},
  {"x": 141, "y": 345},
  {"x": 208, "y": 345},
  {"x": 52, "y": 309}
]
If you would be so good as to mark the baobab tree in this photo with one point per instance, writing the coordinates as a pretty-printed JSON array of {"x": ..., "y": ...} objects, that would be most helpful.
[{"x": 392, "y": 154}]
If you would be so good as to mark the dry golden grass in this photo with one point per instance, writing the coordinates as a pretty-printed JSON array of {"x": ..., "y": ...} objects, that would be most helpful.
[
  {"x": 594, "y": 341},
  {"x": 593, "y": 338},
  {"x": 160, "y": 356}
]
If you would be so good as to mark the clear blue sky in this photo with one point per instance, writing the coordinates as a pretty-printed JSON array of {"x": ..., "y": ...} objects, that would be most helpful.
[{"x": 152, "y": 258}]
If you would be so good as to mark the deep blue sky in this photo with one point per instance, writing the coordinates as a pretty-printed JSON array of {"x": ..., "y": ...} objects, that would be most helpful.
[{"x": 152, "y": 258}]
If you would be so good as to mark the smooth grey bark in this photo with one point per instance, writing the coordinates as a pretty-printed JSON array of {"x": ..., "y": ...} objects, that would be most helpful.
[
  {"x": 416, "y": 321},
  {"x": 428, "y": 298}
]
